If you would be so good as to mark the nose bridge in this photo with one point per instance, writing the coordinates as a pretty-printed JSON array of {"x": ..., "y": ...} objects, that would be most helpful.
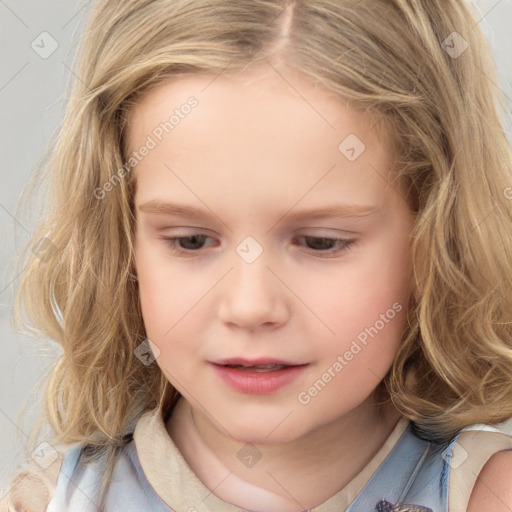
[
  {"x": 251, "y": 293},
  {"x": 247, "y": 276}
]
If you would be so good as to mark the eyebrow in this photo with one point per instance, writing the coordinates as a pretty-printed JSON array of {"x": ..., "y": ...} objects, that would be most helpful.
[{"x": 156, "y": 206}]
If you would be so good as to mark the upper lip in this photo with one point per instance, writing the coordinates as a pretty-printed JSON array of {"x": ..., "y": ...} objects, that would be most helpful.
[{"x": 254, "y": 362}]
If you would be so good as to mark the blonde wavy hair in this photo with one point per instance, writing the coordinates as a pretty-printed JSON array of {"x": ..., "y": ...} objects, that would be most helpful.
[{"x": 393, "y": 58}]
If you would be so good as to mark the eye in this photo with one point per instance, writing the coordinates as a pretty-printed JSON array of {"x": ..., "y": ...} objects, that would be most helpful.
[
  {"x": 191, "y": 243},
  {"x": 187, "y": 245},
  {"x": 328, "y": 245}
]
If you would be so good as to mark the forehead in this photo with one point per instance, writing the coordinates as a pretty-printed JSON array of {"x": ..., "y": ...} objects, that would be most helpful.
[
  {"x": 262, "y": 99},
  {"x": 255, "y": 133}
]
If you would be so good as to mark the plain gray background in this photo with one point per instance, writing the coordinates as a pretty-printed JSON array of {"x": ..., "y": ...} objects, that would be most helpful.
[{"x": 32, "y": 95}]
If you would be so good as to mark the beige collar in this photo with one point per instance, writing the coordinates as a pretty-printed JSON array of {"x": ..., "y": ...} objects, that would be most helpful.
[{"x": 179, "y": 487}]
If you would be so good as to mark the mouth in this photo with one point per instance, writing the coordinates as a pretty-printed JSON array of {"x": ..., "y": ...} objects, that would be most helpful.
[
  {"x": 272, "y": 367},
  {"x": 257, "y": 376},
  {"x": 260, "y": 364},
  {"x": 260, "y": 361}
]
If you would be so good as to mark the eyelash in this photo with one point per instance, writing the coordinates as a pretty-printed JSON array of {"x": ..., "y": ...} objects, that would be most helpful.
[{"x": 346, "y": 244}]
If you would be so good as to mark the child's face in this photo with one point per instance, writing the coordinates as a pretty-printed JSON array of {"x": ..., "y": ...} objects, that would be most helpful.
[{"x": 259, "y": 282}]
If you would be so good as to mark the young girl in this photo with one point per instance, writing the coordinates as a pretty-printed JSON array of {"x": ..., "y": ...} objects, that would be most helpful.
[{"x": 277, "y": 259}]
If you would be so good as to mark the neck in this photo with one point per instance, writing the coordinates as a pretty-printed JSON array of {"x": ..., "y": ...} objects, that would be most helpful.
[{"x": 292, "y": 476}]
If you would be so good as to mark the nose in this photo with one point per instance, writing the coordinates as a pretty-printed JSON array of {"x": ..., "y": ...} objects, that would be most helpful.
[{"x": 252, "y": 297}]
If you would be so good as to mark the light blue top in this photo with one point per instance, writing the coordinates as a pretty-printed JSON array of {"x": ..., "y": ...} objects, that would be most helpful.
[{"x": 414, "y": 473}]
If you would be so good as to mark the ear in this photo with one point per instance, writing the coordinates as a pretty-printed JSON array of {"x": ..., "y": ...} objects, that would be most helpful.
[{"x": 493, "y": 488}]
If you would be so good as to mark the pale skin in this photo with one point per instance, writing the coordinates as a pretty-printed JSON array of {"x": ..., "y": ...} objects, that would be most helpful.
[{"x": 251, "y": 154}]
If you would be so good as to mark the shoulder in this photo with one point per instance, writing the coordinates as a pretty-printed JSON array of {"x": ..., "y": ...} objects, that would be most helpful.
[
  {"x": 51, "y": 473},
  {"x": 493, "y": 488},
  {"x": 481, "y": 471},
  {"x": 31, "y": 489}
]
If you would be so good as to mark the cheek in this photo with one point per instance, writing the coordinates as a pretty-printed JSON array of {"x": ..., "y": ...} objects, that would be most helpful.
[
  {"x": 157, "y": 284},
  {"x": 352, "y": 363},
  {"x": 364, "y": 304},
  {"x": 171, "y": 305},
  {"x": 356, "y": 295},
  {"x": 156, "y": 294}
]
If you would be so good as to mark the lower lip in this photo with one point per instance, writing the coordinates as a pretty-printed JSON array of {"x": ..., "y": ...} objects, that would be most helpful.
[{"x": 258, "y": 383}]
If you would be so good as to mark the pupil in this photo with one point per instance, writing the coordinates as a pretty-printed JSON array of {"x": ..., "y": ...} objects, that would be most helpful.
[
  {"x": 194, "y": 239},
  {"x": 320, "y": 243}
]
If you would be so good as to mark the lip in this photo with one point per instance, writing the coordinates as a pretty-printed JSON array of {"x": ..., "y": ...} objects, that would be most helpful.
[
  {"x": 254, "y": 362},
  {"x": 257, "y": 383}
]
